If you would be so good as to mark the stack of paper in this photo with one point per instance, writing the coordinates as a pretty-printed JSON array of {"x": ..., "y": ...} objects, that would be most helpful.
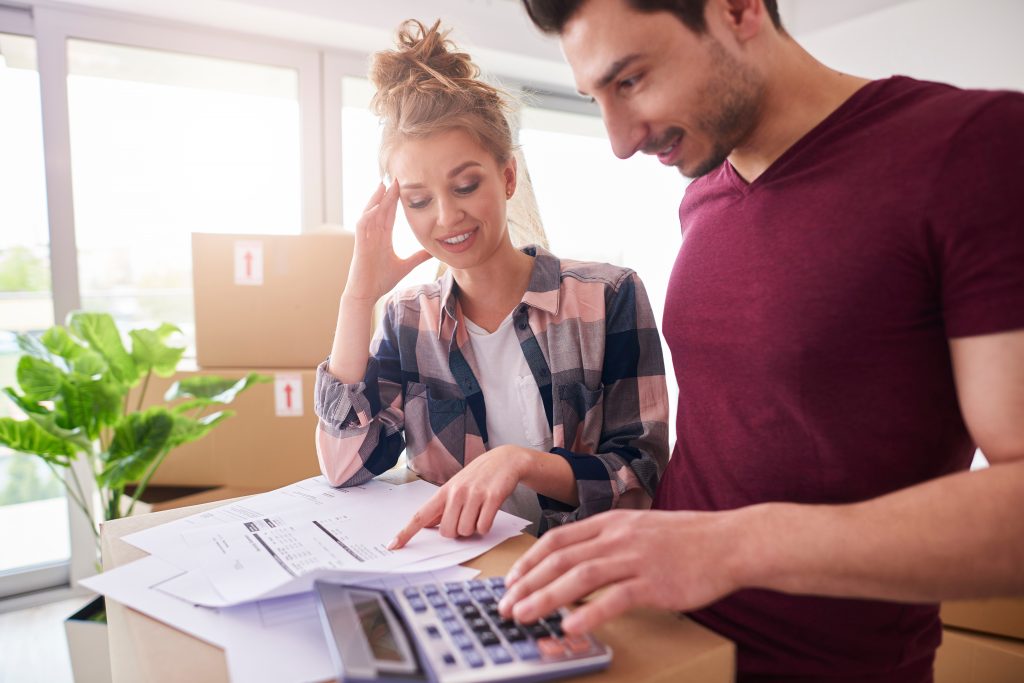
[{"x": 240, "y": 576}]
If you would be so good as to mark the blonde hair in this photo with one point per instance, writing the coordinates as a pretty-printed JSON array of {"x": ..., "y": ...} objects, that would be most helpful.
[{"x": 427, "y": 86}]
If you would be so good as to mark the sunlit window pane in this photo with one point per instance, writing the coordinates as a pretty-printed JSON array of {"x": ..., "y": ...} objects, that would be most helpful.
[
  {"x": 166, "y": 144},
  {"x": 33, "y": 510}
]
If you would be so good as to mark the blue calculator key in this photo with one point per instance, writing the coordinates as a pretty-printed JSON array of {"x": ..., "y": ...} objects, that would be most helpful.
[
  {"x": 499, "y": 592},
  {"x": 411, "y": 592},
  {"x": 445, "y": 613},
  {"x": 453, "y": 586},
  {"x": 459, "y": 597},
  {"x": 418, "y": 604},
  {"x": 462, "y": 640},
  {"x": 475, "y": 583},
  {"x": 498, "y": 654},
  {"x": 430, "y": 589},
  {"x": 481, "y": 595},
  {"x": 526, "y": 649},
  {"x": 448, "y": 658},
  {"x": 473, "y": 658},
  {"x": 437, "y": 600},
  {"x": 496, "y": 581},
  {"x": 433, "y": 632},
  {"x": 452, "y": 626},
  {"x": 487, "y": 637}
]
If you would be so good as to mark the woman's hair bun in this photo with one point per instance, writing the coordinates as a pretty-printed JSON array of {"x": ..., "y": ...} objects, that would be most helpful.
[{"x": 426, "y": 84}]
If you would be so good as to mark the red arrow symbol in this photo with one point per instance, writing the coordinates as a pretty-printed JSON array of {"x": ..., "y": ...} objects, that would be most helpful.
[
  {"x": 248, "y": 264},
  {"x": 288, "y": 395}
]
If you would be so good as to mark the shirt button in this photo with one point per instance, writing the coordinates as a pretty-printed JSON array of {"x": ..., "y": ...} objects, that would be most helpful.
[
  {"x": 544, "y": 372},
  {"x": 523, "y": 325}
]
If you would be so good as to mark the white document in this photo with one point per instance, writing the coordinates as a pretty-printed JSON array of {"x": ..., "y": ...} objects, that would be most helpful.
[
  {"x": 249, "y": 560},
  {"x": 315, "y": 493}
]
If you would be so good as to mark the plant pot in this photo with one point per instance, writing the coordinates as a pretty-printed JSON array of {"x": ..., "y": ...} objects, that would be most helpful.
[{"x": 88, "y": 646}]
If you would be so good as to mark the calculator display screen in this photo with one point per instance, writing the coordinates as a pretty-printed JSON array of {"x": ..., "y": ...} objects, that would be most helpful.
[{"x": 377, "y": 630}]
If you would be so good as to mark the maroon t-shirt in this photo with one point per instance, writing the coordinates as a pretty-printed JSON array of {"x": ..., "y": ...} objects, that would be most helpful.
[{"x": 808, "y": 316}]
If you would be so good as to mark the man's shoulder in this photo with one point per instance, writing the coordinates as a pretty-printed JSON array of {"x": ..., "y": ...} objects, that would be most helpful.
[{"x": 928, "y": 103}]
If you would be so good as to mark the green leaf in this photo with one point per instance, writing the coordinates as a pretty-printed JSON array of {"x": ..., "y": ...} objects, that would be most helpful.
[
  {"x": 150, "y": 352},
  {"x": 89, "y": 364},
  {"x": 60, "y": 343},
  {"x": 28, "y": 437},
  {"x": 215, "y": 389},
  {"x": 31, "y": 346},
  {"x": 40, "y": 380},
  {"x": 28, "y": 406},
  {"x": 138, "y": 441},
  {"x": 187, "y": 430},
  {"x": 75, "y": 438},
  {"x": 89, "y": 404},
  {"x": 100, "y": 332}
]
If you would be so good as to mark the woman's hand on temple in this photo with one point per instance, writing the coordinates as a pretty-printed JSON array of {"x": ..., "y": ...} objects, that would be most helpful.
[{"x": 376, "y": 268}]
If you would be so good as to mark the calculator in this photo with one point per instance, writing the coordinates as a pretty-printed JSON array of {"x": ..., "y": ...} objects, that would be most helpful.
[{"x": 446, "y": 633}]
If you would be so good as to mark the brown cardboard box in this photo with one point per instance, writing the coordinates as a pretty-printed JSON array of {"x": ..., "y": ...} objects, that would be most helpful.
[
  {"x": 221, "y": 493},
  {"x": 265, "y": 445},
  {"x": 971, "y": 658},
  {"x": 267, "y": 301},
  {"x": 1003, "y": 617}
]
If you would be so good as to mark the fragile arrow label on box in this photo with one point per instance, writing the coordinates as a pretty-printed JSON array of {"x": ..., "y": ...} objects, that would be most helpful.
[
  {"x": 248, "y": 262},
  {"x": 288, "y": 395}
]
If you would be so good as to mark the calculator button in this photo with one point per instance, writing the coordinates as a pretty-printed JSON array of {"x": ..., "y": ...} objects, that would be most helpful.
[
  {"x": 553, "y": 617},
  {"x": 496, "y": 581},
  {"x": 556, "y": 628},
  {"x": 526, "y": 649},
  {"x": 499, "y": 592},
  {"x": 436, "y": 599},
  {"x": 452, "y": 626},
  {"x": 487, "y": 637},
  {"x": 448, "y": 658},
  {"x": 498, "y": 654},
  {"x": 492, "y": 612},
  {"x": 578, "y": 645},
  {"x": 475, "y": 583},
  {"x": 429, "y": 589},
  {"x": 453, "y": 586},
  {"x": 433, "y": 632},
  {"x": 462, "y": 640},
  {"x": 513, "y": 633},
  {"x": 478, "y": 624},
  {"x": 550, "y": 648},
  {"x": 537, "y": 630},
  {"x": 417, "y": 604},
  {"x": 473, "y": 658},
  {"x": 445, "y": 613},
  {"x": 411, "y": 592},
  {"x": 481, "y": 595},
  {"x": 459, "y": 597},
  {"x": 469, "y": 611}
]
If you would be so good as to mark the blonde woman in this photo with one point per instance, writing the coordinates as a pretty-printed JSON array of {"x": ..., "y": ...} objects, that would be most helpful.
[{"x": 517, "y": 380}]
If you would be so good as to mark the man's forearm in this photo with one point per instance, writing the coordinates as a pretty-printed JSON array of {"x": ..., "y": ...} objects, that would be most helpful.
[{"x": 960, "y": 536}]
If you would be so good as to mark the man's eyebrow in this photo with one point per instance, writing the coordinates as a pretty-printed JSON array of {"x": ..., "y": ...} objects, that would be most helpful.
[{"x": 613, "y": 71}]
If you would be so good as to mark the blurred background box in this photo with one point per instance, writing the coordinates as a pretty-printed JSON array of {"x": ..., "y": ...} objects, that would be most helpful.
[
  {"x": 972, "y": 658},
  {"x": 1002, "y": 617},
  {"x": 268, "y": 443},
  {"x": 267, "y": 301}
]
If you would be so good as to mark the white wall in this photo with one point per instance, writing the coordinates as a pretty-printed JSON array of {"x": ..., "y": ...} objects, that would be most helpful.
[{"x": 968, "y": 43}]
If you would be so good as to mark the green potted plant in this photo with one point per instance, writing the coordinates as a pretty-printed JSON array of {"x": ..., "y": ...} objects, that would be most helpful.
[{"x": 74, "y": 385}]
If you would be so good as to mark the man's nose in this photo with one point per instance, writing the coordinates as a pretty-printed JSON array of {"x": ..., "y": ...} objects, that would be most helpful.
[{"x": 624, "y": 133}]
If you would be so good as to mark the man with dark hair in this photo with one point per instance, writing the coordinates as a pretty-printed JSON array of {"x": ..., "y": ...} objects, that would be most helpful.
[{"x": 846, "y": 321}]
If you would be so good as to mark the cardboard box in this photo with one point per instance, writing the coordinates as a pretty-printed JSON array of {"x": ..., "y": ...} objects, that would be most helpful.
[
  {"x": 1002, "y": 617},
  {"x": 267, "y": 301},
  {"x": 268, "y": 443},
  {"x": 221, "y": 493},
  {"x": 970, "y": 658}
]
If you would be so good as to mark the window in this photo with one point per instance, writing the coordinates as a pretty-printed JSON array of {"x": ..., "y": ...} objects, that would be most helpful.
[
  {"x": 166, "y": 144},
  {"x": 33, "y": 509}
]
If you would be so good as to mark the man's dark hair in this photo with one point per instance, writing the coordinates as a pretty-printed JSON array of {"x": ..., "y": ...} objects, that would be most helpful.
[{"x": 551, "y": 16}]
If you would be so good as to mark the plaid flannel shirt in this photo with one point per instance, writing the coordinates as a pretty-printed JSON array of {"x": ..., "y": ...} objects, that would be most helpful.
[{"x": 591, "y": 341}]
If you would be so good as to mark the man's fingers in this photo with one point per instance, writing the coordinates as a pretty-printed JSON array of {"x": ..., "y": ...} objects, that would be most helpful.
[
  {"x": 589, "y": 571},
  {"x": 426, "y": 514},
  {"x": 618, "y": 599},
  {"x": 552, "y": 541}
]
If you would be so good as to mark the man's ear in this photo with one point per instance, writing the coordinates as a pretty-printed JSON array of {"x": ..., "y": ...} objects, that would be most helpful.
[{"x": 744, "y": 19}]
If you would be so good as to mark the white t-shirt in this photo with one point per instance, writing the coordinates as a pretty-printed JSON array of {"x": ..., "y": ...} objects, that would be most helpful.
[{"x": 515, "y": 410}]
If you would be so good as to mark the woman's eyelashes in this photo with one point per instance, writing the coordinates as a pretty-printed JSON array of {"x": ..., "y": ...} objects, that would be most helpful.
[{"x": 461, "y": 190}]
